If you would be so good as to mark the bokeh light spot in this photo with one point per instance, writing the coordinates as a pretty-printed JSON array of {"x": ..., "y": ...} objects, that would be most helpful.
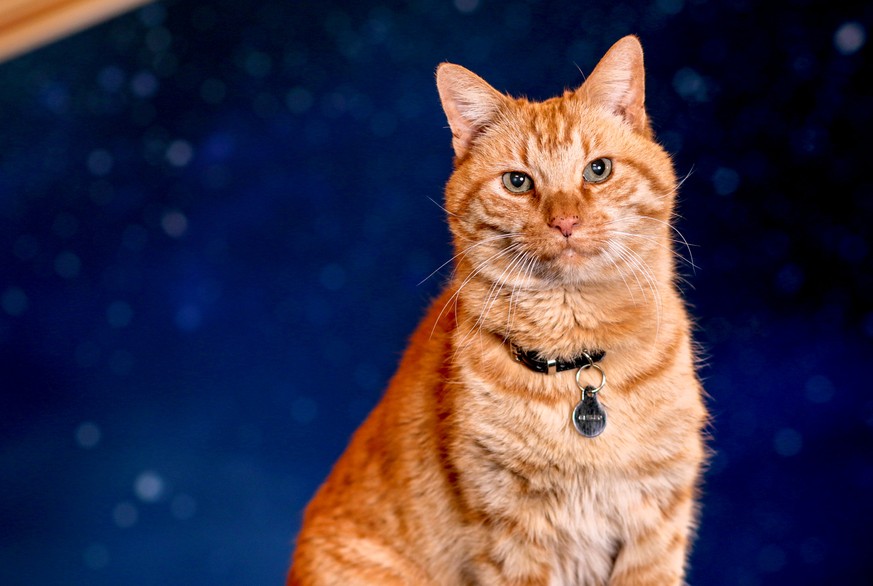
[
  {"x": 14, "y": 301},
  {"x": 88, "y": 435},
  {"x": 67, "y": 265},
  {"x": 149, "y": 486},
  {"x": 100, "y": 162},
  {"x": 298, "y": 100},
  {"x": 725, "y": 181},
  {"x": 690, "y": 85},
  {"x": 125, "y": 515},
  {"x": 179, "y": 153},
  {"x": 819, "y": 389},
  {"x": 119, "y": 314},
  {"x": 174, "y": 223},
  {"x": 850, "y": 37},
  {"x": 670, "y": 7},
  {"x": 466, "y": 6},
  {"x": 188, "y": 317},
  {"x": 787, "y": 442},
  {"x": 144, "y": 84}
]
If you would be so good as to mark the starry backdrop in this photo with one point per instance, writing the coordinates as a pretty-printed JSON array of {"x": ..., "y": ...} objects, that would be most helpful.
[{"x": 217, "y": 219}]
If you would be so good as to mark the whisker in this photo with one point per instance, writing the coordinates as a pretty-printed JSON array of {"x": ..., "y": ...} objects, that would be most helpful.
[
  {"x": 611, "y": 246},
  {"x": 494, "y": 292},
  {"x": 437, "y": 204},
  {"x": 631, "y": 264},
  {"x": 476, "y": 270},
  {"x": 662, "y": 222},
  {"x": 525, "y": 275},
  {"x": 466, "y": 251},
  {"x": 649, "y": 276},
  {"x": 657, "y": 241}
]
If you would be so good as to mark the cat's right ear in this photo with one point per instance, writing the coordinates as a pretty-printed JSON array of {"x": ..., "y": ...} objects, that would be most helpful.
[{"x": 469, "y": 102}]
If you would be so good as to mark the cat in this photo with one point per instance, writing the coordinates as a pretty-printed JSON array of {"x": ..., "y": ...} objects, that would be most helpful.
[{"x": 546, "y": 425}]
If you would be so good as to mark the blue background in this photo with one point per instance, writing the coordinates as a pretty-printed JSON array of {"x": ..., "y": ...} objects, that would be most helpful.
[{"x": 215, "y": 221}]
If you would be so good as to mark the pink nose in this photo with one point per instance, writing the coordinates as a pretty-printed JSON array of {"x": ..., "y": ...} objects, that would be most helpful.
[{"x": 565, "y": 224}]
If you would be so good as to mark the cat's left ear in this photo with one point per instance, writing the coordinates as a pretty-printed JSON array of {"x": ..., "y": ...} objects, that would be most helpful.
[
  {"x": 469, "y": 102},
  {"x": 619, "y": 83}
]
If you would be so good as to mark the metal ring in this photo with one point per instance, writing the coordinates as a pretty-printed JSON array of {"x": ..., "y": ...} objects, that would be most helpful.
[{"x": 596, "y": 367}]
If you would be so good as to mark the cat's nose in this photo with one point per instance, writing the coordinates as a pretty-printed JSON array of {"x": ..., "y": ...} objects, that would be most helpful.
[{"x": 565, "y": 224}]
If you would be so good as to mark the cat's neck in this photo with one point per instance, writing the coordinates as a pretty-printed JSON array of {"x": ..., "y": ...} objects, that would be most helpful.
[{"x": 559, "y": 321}]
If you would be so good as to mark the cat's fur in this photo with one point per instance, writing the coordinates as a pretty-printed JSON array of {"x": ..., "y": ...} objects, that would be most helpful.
[{"x": 469, "y": 470}]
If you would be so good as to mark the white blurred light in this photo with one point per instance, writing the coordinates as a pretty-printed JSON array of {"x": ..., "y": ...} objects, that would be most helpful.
[
  {"x": 149, "y": 486},
  {"x": 850, "y": 37},
  {"x": 179, "y": 153},
  {"x": 174, "y": 223}
]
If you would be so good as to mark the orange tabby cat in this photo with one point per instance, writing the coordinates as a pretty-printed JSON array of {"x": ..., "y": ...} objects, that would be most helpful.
[{"x": 545, "y": 424}]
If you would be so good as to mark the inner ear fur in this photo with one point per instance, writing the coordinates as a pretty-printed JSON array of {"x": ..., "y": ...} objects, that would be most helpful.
[
  {"x": 469, "y": 102},
  {"x": 619, "y": 83}
]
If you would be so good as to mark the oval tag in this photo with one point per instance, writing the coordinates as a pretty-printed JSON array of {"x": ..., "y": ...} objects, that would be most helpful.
[{"x": 589, "y": 418}]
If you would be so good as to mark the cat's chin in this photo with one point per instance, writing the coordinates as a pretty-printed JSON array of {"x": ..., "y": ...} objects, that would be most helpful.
[
  {"x": 576, "y": 255},
  {"x": 572, "y": 266}
]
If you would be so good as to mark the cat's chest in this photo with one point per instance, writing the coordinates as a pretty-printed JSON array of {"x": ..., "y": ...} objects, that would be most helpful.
[
  {"x": 587, "y": 530},
  {"x": 569, "y": 492}
]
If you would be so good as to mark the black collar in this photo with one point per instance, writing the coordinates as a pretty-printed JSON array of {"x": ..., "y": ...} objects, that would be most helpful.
[{"x": 535, "y": 362}]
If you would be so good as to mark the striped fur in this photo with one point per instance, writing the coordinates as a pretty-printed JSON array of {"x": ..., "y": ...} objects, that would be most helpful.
[{"x": 469, "y": 471}]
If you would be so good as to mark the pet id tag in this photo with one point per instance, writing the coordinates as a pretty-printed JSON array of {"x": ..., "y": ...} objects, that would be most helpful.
[{"x": 589, "y": 418}]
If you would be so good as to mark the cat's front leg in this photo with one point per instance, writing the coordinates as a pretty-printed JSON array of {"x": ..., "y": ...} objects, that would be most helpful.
[{"x": 654, "y": 552}]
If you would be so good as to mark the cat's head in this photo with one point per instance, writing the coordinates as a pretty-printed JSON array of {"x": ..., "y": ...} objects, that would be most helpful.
[{"x": 568, "y": 191}]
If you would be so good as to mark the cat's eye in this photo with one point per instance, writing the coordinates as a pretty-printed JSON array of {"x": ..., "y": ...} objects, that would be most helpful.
[
  {"x": 517, "y": 182},
  {"x": 598, "y": 170}
]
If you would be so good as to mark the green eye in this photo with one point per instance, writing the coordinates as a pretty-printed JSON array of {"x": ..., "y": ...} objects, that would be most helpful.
[
  {"x": 517, "y": 182},
  {"x": 597, "y": 170}
]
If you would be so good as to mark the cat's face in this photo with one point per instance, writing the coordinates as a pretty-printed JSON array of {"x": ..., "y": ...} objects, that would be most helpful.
[{"x": 568, "y": 191}]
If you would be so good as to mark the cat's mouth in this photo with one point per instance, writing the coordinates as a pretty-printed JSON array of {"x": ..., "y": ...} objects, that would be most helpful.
[
  {"x": 577, "y": 248},
  {"x": 574, "y": 257}
]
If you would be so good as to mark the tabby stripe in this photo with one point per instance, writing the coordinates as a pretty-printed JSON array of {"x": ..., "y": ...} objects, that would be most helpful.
[
  {"x": 669, "y": 356},
  {"x": 650, "y": 176}
]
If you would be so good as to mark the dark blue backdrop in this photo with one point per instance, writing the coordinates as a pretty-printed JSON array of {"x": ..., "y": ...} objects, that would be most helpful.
[{"x": 215, "y": 217}]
